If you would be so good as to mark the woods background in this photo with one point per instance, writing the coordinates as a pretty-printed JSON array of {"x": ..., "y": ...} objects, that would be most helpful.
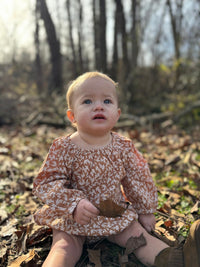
[{"x": 151, "y": 47}]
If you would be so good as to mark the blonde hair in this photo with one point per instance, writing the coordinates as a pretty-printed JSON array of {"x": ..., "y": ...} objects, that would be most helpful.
[{"x": 75, "y": 84}]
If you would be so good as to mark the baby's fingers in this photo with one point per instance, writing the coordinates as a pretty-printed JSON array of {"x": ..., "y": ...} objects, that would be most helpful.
[
  {"x": 149, "y": 228},
  {"x": 91, "y": 209}
]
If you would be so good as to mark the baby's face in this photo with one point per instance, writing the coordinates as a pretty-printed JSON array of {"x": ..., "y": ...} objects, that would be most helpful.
[{"x": 95, "y": 106}]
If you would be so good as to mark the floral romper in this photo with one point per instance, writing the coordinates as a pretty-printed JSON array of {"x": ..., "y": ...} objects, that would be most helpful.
[{"x": 71, "y": 173}]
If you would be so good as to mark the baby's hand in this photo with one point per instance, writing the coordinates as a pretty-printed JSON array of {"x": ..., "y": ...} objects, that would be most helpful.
[
  {"x": 85, "y": 211},
  {"x": 148, "y": 221}
]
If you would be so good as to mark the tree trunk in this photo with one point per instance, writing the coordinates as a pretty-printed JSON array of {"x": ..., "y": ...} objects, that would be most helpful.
[
  {"x": 38, "y": 66},
  {"x": 176, "y": 21},
  {"x": 102, "y": 36},
  {"x": 120, "y": 46},
  {"x": 134, "y": 35},
  {"x": 54, "y": 46},
  {"x": 74, "y": 60},
  {"x": 80, "y": 38},
  {"x": 96, "y": 34},
  {"x": 176, "y": 24},
  {"x": 115, "y": 50},
  {"x": 99, "y": 26},
  {"x": 123, "y": 38}
]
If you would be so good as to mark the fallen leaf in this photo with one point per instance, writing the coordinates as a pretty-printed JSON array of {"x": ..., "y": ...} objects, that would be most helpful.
[
  {"x": 9, "y": 228},
  {"x": 134, "y": 243},
  {"x": 172, "y": 159},
  {"x": 194, "y": 161},
  {"x": 22, "y": 235},
  {"x": 94, "y": 256},
  {"x": 156, "y": 164},
  {"x": 24, "y": 258},
  {"x": 162, "y": 234},
  {"x": 173, "y": 199},
  {"x": 123, "y": 259},
  {"x": 196, "y": 207},
  {"x": 190, "y": 192},
  {"x": 165, "y": 208},
  {"x": 39, "y": 233},
  {"x": 168, "y": 224},
  {"x": 3, "y": 253},
  {"x": 109, "y": 208}
]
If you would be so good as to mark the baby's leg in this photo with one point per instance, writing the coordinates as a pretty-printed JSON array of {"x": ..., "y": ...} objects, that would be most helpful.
[
  {"x": 65, "y": 250},
  {"x": 147, "y": 253}
]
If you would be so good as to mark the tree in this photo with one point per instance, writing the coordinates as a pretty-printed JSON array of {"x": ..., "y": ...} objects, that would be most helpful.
[
  {"x": 134, "y": 35},
  {"x": 99, "y": 27},
  {"x": 102, "y": 36},
  {"x": 80, "y": 37},
  {"x": 120, "y": 50},
  {"x": 176, "y": 25},
  {"x": 54, "y": 47},
  {"x": 95, "y": 30},
  {"x": 176, "y": 19},
  {"x": 38, "y": 66},
  {"x": 74, "y": 60}
]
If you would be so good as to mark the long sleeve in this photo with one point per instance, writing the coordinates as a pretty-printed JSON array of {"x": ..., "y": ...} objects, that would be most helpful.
[
  {"x": 138, "y": 185},
  {"x": 52, "y": 185}
]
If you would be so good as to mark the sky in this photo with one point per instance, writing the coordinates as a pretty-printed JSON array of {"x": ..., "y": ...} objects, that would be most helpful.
[
  {"x": 16, "y": 21},
  {"x": 17, "y": 26}
]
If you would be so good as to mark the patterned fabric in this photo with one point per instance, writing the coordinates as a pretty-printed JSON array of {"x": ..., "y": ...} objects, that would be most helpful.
[{"x": 71, "y": 173}]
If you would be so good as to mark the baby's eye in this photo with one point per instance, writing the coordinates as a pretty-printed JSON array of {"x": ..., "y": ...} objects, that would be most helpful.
[
  {"x": 107, "y": 101},
  {"x": 87, "y": 101}
]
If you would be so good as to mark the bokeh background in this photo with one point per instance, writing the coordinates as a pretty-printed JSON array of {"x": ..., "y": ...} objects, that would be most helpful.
[{"x": 151, "y": 47}]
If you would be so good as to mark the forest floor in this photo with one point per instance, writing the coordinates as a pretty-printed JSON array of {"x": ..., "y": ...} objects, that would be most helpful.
[{"x": 174, "y": 159}]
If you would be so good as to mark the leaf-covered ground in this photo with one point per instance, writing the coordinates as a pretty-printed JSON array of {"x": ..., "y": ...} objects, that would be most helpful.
[{"x": 174, "y": 160}]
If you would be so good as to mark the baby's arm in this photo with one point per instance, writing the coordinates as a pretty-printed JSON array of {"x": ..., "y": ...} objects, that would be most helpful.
[
  {"x": 148, "y": 221},
  {"x": 85, "y": 211}
]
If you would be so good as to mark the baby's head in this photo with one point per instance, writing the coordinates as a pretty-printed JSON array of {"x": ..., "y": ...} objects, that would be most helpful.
[
  {"x": 90, "y": 94},
  {"x": 75, "y": 85}
]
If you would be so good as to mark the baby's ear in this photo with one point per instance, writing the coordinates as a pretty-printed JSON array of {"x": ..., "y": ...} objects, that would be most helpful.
[
  {"x": 119, "y": 112},
  {"x": 70, "y": 115}
]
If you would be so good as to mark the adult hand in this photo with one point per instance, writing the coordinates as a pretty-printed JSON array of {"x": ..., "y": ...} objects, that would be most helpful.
[{"x": 85, "y": 211}]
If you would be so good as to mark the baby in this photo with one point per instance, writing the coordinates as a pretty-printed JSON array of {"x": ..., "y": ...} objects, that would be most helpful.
[{"x": 88, "y": 169}]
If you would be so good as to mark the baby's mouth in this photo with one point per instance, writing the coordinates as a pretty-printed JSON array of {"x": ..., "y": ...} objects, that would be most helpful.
[{"x": 99, "y": 117}]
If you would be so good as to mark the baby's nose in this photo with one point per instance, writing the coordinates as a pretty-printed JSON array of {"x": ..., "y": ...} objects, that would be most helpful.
[{"x": 98, "y": 106}]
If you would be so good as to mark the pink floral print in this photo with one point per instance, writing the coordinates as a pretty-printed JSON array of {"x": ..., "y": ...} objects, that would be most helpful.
[{"x": 70, "y": 174}]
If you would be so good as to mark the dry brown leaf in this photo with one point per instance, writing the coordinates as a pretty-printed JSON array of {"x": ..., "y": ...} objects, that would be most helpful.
[
  {"x": 172, "y": 159},
  {"x": 156, "y": 164},
  {"x": 194, "y": 161},
  {"x": 26, "y": 200},
  {"x": 22, "y": 235},
  {"x": 24, "y": 258},
  {"x": 95, "y": 256},
  {"x": 177, "y": 214},
  {"x": 168, "y": 223},
  {"x": 190, "y": 192},
  {"x": 159, "y": 223},
  {"x": 162, "y": 234},
  {"x": 173, "y": 199},
  {"x": 134, "y": 243},
  {"x": 123, "y": 259},
  {"x": 109, "y": 208},
  {"x": 3, "y": 253},
  {"x": 39, "y": 233},
  {"x": 165, "y": 208},
  {"x": 9, "y": 228},
  {"x": 196, "y": 207}
]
